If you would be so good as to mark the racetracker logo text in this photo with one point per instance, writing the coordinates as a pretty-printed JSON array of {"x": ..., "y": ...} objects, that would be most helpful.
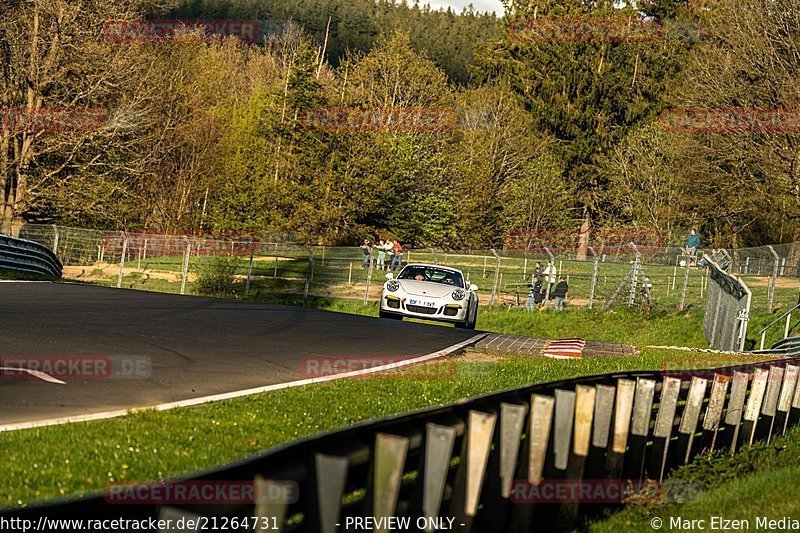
[
  {"x": 731, "y": 120},
  {"x": 585, "y": 30},
  {"x": 51, "y": 120},
  {"x": 159, "y": 31},
  {"x": 199, "y": 492},
  {"x": 377, "y": 366},
  {"x": 342, "y": 119},
  {"x": 55, "y": 368}
]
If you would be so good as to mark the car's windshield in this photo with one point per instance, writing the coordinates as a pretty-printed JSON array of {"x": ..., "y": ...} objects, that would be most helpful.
[{"x": 433, "y": 274}]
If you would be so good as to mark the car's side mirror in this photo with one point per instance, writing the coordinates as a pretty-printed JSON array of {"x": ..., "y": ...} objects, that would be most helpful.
[
  {"x": 389, "y": 276},
  {"x": 473, "y": 287}
]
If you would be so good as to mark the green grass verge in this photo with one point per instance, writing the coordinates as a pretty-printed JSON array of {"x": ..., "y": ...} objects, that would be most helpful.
[
  {"x": 16, "y": 275},
  {"x": 75, "y": 458},
  {"x": 757, "y": 482}
]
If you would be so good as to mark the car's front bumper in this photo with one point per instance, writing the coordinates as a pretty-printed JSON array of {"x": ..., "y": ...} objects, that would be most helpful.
[{"x": 444, "y": 311}]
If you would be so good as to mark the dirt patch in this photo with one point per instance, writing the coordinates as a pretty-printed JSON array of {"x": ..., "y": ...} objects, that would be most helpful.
[
  {"x": 90, "y": 273},
  {"x": 480, "y": 356},
  {"x": 780, "y": 283}
]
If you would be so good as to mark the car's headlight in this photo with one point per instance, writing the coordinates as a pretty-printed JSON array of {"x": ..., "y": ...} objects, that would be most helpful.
[
  {"x": 392, "y": 285},
  {"x": 458, "y": 294}
]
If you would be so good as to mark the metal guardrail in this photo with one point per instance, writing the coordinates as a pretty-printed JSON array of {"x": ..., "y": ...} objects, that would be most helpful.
[
  {"x": 788, "y": 316},
  {"x": 481, "y": 464},
  {"x": 28, "y": 256}
]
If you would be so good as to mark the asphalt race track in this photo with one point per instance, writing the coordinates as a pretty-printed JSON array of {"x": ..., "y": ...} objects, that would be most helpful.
[{"x": 146, "y": 348}]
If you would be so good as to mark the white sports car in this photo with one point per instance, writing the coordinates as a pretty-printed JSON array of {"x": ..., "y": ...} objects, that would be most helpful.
[{"x": 432, "y": 292}]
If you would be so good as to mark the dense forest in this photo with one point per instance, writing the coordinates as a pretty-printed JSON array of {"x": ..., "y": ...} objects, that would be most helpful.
[{"x": 540, "y": 134}]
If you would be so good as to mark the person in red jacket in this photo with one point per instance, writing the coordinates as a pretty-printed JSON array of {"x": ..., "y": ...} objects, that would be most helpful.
[{"x": 397, "y": 258}]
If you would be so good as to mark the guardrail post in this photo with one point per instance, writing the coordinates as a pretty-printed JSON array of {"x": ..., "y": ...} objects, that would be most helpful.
[
  {"x": 122, "y": 260},
  {"x": 685, "y": 278},
  {"x": 186, "y": 266},
  {"x": 249, "y": 271},
  {"x": 774, "y": 279},
  {"x": 309, "y": 272},
  {"x": 594, "y": 276},
  {"x": 496, "y": 276}
]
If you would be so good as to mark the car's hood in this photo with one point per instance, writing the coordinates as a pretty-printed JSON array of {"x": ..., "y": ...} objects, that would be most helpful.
[{"x": 426, "y": 288}]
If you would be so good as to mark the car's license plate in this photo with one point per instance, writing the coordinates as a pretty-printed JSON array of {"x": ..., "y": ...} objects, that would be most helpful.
[{"x": 421, "y": 303}]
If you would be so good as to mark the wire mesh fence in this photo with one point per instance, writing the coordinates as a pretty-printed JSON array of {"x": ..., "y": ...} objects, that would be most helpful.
[{"x": 608, "y": 275}]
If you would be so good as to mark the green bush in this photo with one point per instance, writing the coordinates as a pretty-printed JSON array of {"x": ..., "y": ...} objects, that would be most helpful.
[{"x": 217, "y": 276}]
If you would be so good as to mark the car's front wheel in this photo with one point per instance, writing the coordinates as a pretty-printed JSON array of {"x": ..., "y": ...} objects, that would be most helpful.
[{"x": 471, "y": 318}]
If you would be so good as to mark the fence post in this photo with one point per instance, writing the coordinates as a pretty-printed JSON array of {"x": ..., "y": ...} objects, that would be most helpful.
[
  {"x": 55, "y": 239},
  {"x": 186, "y": 266},
  {"x": 496, "y": 276},
  {"x": 122, "y": 260},
  {"x": 275, "y": 272},
  {"x": 774, "y": 278},
  {"x": 369, "y": 279},
  {"x": 637, "y": 265},
  {"x": 249, "y": 271},
  {"x": 144, "y": 250},
  {"x": 675, "y": 271},
  {"x": 594, "y": 277},
  {"x": 350, "y": 274},
  {"x": 685, "y": 277},
  {"x": 309, "y": 272},
  {"x": 435, "y": 259}
]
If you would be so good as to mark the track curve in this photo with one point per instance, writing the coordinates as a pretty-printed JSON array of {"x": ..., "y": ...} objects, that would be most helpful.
[{"x": 192, "y": 346}]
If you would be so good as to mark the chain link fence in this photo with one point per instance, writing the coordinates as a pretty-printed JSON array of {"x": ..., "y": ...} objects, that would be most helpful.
[{"x": 608, "y": 276}]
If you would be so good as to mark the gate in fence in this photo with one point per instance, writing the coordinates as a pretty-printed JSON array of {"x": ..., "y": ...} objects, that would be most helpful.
[{"x": 727, "y": 309}]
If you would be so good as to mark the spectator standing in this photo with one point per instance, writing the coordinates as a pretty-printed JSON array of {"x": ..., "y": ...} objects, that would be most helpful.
[
  {"x": 692, "y": 245},
  {"x": 530, "y": 303},
  {"x": 550, "y": 276},
  {"x": 389, "y": 247},
  {"x": 366, "y": 249},
  {"x": 397, "y": 258},
  {"x": 538, "y": 296},
  {"x": 537, "y": 272},
  {"x": 559, "y": 293},
  {"x": 381, "y": 247}
]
